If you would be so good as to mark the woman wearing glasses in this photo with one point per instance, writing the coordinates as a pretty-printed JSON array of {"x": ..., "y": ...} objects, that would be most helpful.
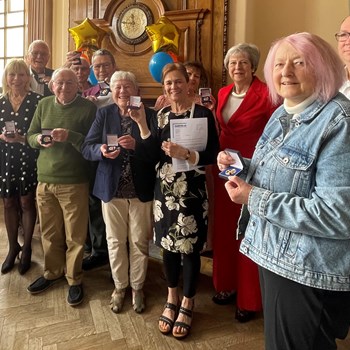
[{"x": 103, "y": 65}]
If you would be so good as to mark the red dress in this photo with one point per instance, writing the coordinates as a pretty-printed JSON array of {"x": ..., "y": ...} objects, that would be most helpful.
[{"x": 231, "y": 269}]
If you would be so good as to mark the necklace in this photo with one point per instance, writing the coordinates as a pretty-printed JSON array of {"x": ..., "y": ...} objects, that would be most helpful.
[
  {"x": 182, "y": 111},
  {"x": 16, "y": 101},
  {"x": 242, "y": 89},
  {"x": 238, "y": 95}
]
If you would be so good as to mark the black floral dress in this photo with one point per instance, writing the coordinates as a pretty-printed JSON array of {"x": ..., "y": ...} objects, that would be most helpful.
[
  {"x": 17, "y": 161},
  {"x": 180, "y": 201}
]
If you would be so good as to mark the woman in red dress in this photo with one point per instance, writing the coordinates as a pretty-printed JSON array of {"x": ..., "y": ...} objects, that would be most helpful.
[{"x": 243, "y": 110}]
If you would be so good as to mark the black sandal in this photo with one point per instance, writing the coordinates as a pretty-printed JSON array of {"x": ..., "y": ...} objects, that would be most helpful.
[
  {"x": 167, "y": 320},
  {"x": 186, "y": 326}
]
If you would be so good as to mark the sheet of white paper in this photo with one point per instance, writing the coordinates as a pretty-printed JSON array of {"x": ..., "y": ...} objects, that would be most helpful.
[{"x": 191, "y": 133}]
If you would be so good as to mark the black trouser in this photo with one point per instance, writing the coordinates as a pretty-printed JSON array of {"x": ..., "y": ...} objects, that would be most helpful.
[
  {"x": 97, "y": 228},
  {"x": 191, "y": 264},
  {"x": 298, "y": 317}
]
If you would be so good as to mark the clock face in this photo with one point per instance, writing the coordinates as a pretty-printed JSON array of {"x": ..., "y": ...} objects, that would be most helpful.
[{"x": 132, "y": 22}]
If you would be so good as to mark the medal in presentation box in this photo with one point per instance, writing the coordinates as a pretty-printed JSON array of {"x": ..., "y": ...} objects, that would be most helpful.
[
  {"x": 10, "y": 129},
  {"x": 205, "y": 94},
  {"x": 235, "y": 168},
  {"x": 112, "y": 142},
  {"x": 46, "y": 137},
  {"x": 135, "y": 102}
]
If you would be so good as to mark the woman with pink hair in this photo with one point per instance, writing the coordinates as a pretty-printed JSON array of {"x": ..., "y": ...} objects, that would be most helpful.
[{"x": 295, "y": 193}]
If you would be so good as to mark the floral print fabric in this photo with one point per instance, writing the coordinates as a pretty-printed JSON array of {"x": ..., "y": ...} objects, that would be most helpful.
[{"x": 180, "y": 204}]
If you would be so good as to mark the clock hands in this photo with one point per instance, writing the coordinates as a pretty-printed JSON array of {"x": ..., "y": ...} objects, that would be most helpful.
[
  {"x": 132, "y": 20},
  {"x": 131, "y": 23}
]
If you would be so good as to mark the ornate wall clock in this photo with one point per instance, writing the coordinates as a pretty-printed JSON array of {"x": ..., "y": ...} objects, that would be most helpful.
[
  {"x": 132, "y": 21},
  {"x": 127, "y": 20}
]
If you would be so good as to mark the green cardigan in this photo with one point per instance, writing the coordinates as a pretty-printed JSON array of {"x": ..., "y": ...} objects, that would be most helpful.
[{"x": 62, "y": 163}]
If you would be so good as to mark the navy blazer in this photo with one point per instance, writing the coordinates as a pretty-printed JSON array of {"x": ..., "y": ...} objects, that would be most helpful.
[{"x": 109, "y": 170}]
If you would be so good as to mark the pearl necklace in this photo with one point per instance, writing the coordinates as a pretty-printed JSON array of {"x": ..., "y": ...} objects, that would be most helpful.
[{"x": 241, "y": 95}]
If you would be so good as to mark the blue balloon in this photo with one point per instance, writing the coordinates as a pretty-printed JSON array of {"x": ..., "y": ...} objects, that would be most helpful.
[
  {"x": 92, "y": 77},
  {"x": 157, "y": 63}
]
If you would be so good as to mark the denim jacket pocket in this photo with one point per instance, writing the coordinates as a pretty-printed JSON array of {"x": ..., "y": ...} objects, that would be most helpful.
[
  {"x": 289, "y": 244},
  {"x": 296, "y": 166}
]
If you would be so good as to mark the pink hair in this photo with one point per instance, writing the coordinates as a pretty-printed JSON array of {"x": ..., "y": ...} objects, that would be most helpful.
[{"x": 320, "y": 59}]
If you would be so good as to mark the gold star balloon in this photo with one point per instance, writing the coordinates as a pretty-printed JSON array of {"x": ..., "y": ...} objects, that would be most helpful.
[
  {"x": 164, "y": 35},
  {"x": 87, "y": 35}
]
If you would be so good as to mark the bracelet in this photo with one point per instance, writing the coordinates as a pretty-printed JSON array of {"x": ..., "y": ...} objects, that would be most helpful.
[{"x": 188, "y": 155}]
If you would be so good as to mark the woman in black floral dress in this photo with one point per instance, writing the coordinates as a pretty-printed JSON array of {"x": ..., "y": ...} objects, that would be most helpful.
[
  {"x": 17, "y": 162},
  {"x": 181, "y": 203}
]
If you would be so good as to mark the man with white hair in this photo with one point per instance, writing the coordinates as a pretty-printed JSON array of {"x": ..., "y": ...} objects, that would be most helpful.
[
  {"x": 58, "y": 130},
  {"x": 37, "y": 58}
]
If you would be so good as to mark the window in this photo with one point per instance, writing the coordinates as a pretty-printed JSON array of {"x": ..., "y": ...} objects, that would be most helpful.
[{"x": 11, "y": 31}]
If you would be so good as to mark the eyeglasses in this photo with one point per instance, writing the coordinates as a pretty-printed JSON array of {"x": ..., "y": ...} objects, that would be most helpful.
[
  {"x": 37, "y": 53},
  {"x": 67, "y": 83},
  {"x": 342, "y": 36}
]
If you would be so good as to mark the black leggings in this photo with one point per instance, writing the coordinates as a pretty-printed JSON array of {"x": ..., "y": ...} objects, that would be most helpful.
[{"x": 191, "y": 267}]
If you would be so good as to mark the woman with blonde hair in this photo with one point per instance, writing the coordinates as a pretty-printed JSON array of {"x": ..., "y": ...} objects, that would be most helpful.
[{"x": 17, "y": 162}]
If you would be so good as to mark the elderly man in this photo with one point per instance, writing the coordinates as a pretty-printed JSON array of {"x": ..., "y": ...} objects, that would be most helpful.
[
  {"x": 37, "y": 58},
  {"x": 343, "y": 38},
  {"x": 58, "y": 130},
  {"x": 80, "y": 65},
  {"x": 82, "y": 71}
]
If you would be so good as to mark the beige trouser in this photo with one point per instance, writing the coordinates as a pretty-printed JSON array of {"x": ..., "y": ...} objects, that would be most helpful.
[
  {"x": 63, "y": 214},
  {"x": 128, "y": 227}
]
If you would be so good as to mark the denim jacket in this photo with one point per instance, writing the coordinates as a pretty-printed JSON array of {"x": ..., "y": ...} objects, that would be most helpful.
[{"x": 299, "y": 224}]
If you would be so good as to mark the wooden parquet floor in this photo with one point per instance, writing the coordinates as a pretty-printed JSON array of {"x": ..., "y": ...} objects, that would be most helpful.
[{"x": 45, "y": 321}]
